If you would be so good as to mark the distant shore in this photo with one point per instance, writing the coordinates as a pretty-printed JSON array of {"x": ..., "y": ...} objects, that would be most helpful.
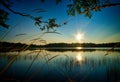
[{"x": 7, "y": 46}]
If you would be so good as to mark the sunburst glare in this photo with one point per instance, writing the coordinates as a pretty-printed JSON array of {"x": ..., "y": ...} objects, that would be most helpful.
[{"x": 79, "y": 36}]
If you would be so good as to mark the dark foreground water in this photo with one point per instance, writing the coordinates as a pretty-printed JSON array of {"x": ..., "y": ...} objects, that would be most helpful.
[{"x": 58, "y": 66}]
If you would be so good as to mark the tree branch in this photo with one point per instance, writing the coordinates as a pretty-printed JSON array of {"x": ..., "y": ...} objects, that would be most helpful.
[
  {"x": 7, "y": 7},
  {"x": 99, "y": 7}
]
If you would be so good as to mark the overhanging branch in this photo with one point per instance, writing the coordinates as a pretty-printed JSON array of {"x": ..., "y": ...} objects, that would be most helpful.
[
  {"x": 99, "y": 7},
  {"x": 11, "y": 10}
]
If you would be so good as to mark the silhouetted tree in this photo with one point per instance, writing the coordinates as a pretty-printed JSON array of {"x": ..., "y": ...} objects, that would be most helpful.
[{"x": 86, "y": 7}]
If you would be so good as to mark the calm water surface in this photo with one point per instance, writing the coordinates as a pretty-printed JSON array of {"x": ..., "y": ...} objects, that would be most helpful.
[{"x": 57, "y": 66}]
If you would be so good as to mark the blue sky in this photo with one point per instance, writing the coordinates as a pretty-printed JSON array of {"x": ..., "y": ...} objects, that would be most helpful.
[{"x": 104, "y": 26}]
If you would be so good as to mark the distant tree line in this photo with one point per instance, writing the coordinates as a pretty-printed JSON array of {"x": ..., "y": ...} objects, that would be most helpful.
[
  {"x": 7, "y": 46},
  {"x": 82, "y": 45}
]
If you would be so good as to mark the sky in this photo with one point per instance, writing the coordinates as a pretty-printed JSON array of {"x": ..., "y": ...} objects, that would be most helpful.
[{"x": 103, "y": 27}]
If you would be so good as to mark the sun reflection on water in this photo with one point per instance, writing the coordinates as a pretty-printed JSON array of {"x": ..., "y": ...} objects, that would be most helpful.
[
  {"x": 79, "y": 57},
  {"x": 78, "y": 48}
]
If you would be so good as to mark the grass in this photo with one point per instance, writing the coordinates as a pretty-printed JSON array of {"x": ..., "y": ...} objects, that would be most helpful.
[
  {"x": 65, "y": 67},
  {"x": 12, "y": 60}
]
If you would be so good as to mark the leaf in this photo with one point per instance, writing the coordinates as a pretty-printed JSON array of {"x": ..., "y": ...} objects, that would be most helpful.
[
  {"x": 4, "y": 25},
  {"x": 42, "y": 0},
  {"x": 39, "y": 10},
  {"x": 42, "y": 28},
  {"x": 3, "y": 18},
  {"x": 20, "y": 34},
  {"x": 58, "y": 1},
  {"x": 53, "y": 32},
  {"x": 65, "y": 23}
]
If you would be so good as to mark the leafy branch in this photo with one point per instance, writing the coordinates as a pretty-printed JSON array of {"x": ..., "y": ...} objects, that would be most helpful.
[
  {"x": 86, "y": 7},
  {"x": 44, "y": 25},
  {"x": 74, "y": 7}
]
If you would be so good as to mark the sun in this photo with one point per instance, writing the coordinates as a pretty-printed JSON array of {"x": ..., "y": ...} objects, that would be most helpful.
[{"x": 79, "y": 36}]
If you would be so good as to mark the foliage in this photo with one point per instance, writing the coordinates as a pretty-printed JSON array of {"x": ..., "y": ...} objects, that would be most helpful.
[
  {"x": 3, "y": 13},
  {"x": 44, "y": 25},
  {"x": 83, "y": 45},
  {"x": 7, "y": 46},
  {"x": 86, "y": 7},
  {"x": 51, "y": 24},
  {"x": 3, "y": 18}
]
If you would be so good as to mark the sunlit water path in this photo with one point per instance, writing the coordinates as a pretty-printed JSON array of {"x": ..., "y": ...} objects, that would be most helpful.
[{"x": 71, "y": 65}]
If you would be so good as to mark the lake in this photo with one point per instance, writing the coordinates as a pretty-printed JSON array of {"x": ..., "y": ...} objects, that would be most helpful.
[{"x": 58, "y": 65}]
